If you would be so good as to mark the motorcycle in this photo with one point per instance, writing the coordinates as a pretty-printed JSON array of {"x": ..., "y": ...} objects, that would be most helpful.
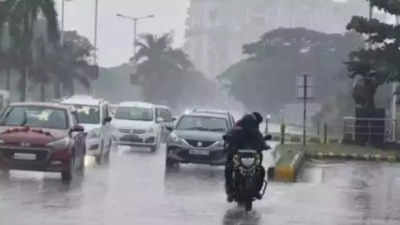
[
  {"x": 247, "y": 170},
  {"x": 246, "y": 174}
]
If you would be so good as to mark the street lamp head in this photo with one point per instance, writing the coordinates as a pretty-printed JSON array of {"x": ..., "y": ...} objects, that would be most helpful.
[{"x": 151, "y": 16}]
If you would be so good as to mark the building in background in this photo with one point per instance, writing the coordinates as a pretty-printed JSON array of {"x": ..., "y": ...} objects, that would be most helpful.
[{"x": 217, "y": 29}]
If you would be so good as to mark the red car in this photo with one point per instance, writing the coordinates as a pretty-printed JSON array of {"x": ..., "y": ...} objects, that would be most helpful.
[{"x": 41, "y": 137}]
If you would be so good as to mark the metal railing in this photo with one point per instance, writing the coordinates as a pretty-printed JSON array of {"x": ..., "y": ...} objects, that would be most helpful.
[{"x": 370, "y": 129}]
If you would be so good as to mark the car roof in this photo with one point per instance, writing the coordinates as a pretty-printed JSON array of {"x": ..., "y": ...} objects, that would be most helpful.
[
  {"x": 213, "y": 115},
  {"x": 162, "y": 106},
  {"x": 82, "y": 100},
  {"x": 214, "y": 111},
  {"x": 43, "y": 104},
  {"x": 136, "y": 104}
]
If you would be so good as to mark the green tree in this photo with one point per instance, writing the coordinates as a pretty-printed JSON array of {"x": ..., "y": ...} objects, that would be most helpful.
[
  {"x": 266, "y": 79},
  {"x": 159, "y": 65},
  {"x": 22, "y": 16},
  {"x": 5, "y": 53},
  {"x": 377, "y": 64},
  {"x": 63, "y": 65},
  {"x": 73, "y": 64}
]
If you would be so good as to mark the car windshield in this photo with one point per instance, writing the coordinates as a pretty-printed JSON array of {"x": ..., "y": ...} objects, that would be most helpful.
[
  {"x": 202, "y": 123},
  {"x": 134, "y": 113},
  {"x": 36, "y": 116},
  {"x": 88, "y": 114}
]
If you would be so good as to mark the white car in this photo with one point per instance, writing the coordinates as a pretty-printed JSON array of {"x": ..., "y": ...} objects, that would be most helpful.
[
  {"x": 140, "y": 125},
  {"x": 93, "y": 115}
]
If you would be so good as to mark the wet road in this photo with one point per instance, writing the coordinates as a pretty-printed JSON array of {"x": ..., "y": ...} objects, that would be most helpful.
[{"x": 134, "y": 189}]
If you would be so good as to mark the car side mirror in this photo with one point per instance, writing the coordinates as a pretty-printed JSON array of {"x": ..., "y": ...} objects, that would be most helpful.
[
  {"x": 268, "y": 137},
  {"x": 107, "y": 120},
  {"x": 160, "y": 120},
  {"x": 169, "y": 128},
  {"x": 173, "y": 119},
  {"x": 77, "y": 128}
]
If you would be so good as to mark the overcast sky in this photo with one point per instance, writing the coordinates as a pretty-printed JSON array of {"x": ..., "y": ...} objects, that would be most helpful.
[{"x": 116, "y": 34}]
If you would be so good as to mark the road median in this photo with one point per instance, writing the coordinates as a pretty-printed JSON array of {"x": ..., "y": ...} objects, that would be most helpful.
[
  {"x": 291, "y": 159},
  {"x": 292, "y": 156}
]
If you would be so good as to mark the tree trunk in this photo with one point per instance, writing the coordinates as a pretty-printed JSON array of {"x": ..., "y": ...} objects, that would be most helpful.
[
  {"x": 72, "y": 88},
  {"x": 22, "y": 86},
  {"x": 8, "y": 79},
  {"x": 57, "y": 89},
  {"x": 42, "y": 92}
]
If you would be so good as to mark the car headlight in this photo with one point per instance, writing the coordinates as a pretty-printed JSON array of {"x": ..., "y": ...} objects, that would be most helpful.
[
  {"x": 61, "y": 143},
  {"x": 219, "y": 144},
  {"x": 95, "y": 133},
  {"x": 173, "y": 139}
]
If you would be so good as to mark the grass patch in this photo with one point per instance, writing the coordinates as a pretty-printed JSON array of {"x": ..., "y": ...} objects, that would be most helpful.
[
  {"x": 315, "y": 140},
  {"x": 295, "y": 139},
  {"x": 343, "y": 149}
]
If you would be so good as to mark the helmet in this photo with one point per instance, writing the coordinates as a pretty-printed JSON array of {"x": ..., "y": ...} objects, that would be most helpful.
[{"x": 257, "y": 117}]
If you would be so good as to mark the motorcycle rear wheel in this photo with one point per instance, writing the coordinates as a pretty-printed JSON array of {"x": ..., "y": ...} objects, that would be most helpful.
[{"x": 248, "y": 206}]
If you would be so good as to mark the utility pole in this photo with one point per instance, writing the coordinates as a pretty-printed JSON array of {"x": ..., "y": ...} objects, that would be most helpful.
[
  {"x": 305, "y": 110},
  {"x": 96, "y": 23},
  {"x": 304, "y": 93}
]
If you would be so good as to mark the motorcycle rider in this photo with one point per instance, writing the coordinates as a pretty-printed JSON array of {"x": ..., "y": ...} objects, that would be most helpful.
[{"x": 245, "y": 134}]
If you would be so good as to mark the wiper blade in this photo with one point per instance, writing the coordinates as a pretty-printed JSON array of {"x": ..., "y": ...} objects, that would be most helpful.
[{"x": 217, "y": 129}]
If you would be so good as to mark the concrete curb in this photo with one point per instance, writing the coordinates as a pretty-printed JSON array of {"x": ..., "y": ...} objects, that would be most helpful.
[
  {"x": 288, "y": 173},
  {"x": 354, "y": 156}
]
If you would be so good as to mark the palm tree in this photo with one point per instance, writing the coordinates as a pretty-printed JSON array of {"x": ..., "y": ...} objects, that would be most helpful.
[
  {"x": 158, "y": 62},
  {"x": 5, "y": 56},
  {"x": 42, "y": 66},
  {"x": 72, "y": 63},
  {"x": 22, "y": 16}
]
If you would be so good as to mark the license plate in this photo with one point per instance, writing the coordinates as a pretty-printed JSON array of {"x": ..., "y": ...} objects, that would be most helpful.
[
  {"x": 198, "y": 152},
  {"x": 24, "y": 156}
]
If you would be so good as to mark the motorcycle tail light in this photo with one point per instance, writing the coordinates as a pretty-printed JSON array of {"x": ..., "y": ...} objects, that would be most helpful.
[{"x": 248, "y": 162}]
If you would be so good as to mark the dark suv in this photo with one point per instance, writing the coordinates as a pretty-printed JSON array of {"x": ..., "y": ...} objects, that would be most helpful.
[
  {"x": 229, "y": 115},
  {"x": 197, "y": 138},
  {"x": 41, "y": 137}
]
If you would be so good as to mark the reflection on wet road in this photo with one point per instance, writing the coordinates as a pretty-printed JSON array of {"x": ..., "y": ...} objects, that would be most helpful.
[{"x": 135, "y": 189}]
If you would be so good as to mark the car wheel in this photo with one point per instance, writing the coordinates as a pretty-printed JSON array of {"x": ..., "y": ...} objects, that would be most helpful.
[
  {"x": 271, "y": 173},
  {"x": 81, "y": 168},
  {"x": 107, "y": 156},
  {"x": 248, "y": 206},
  {"x": 5, "y": 172},
  {"x": 67, "y": 174},
  {"x": 171, "y": 163},
  {"x": 99, "y": 158},
  {"x": 158, "y": 144}
]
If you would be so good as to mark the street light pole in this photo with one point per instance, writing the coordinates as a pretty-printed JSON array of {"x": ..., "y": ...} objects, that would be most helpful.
[
  {"x": 62, "y": 22},
  {"x": 96, "y": 12},
  {"x": 96, "y": 22},
  {"x": 134, "y": 39},
  {"x": 135, "y": 20}
]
